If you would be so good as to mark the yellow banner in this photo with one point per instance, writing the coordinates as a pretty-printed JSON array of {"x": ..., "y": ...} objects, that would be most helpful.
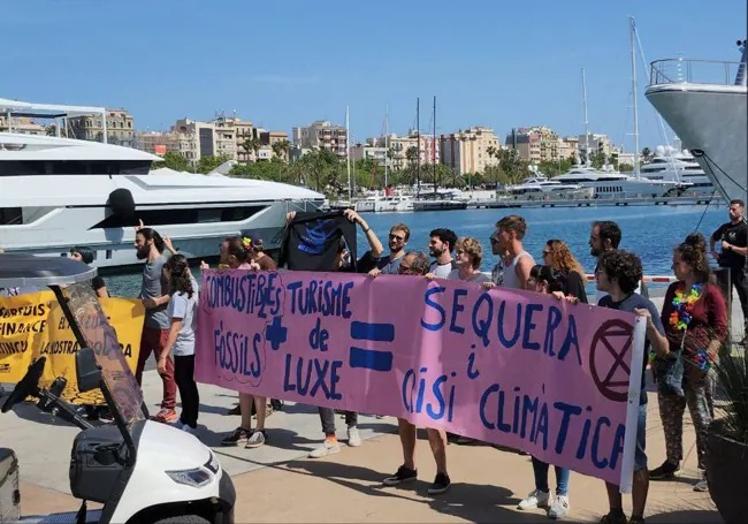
[{"x": 34, "y": 324}]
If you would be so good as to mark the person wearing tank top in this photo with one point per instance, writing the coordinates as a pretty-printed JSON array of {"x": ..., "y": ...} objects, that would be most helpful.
[{"x": 516, "y": 263}]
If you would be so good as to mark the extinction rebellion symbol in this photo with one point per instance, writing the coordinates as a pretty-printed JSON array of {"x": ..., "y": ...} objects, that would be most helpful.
[{"x": 609, "y": 369}]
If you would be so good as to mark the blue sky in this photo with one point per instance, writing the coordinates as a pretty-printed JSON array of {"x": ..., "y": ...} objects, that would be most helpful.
[{"x": 287, "y": 63}]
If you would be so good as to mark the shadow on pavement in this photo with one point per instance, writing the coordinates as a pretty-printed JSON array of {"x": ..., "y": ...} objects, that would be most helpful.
[
  {"x": 701, "y": 516},
  {"x": 472, "y": 502}
]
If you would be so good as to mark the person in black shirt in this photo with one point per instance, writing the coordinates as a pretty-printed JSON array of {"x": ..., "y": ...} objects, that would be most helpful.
[
  {"x": 617, "y": 274},
  {"x": 86, "y": 255},
  {"x": 733, "y": 241},
  {"x": 558, "y": 256}
]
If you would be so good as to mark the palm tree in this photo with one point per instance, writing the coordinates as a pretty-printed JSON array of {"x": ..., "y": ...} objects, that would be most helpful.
[
  {"x": 280, "y": 149},
  {"x": 252, "y": 145}
]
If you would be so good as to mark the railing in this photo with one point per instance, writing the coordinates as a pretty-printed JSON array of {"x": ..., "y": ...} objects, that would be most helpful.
[{"x": 679, "y": 70}]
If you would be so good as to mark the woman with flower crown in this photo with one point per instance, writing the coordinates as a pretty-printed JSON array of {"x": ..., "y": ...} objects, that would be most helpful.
[{"x": 695, "y": 318}]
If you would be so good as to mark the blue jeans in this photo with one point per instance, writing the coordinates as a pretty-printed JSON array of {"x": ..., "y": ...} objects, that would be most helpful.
[{"x": 540, "y": 469}]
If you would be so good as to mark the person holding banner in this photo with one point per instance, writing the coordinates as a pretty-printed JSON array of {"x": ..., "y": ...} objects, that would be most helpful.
[
  {"x": 695, "y": 318},
  {"x": 549, "y": 280},
  {"x": 557, "y": 255},
  {"x": 416, "y": 263},
  {"x": 237, "y": 255},
  {"x": 398, "y": 239},
  {"x": 618, "y": 273},
  {"x": 513, "y": 268},
  {"x": 86, "y": 255}
]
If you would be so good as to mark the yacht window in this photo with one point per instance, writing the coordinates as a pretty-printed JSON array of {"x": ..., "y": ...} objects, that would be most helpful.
[
  {"x": 74, "y": 167},
  {"x": 11, "y": 215},
  {"x": 160, "y": 217}
]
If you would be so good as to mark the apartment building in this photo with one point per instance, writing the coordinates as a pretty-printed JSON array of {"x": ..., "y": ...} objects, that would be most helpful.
[
  {"x": 598, "y": 143},
  {"x": 397, "y": 148},
  {"x": 535, "y": 144},
  {"x": 21, "y": 124},
  {"x": 321, "y": 134},
  {"x": 119, "y": 123},
  {"x": 568, "y": 147},
  {"x": 370, "y": 151},
  {"x": 467, "y": 151}
]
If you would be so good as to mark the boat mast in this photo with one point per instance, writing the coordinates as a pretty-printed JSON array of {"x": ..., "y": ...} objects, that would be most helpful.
[
  {"x": 586, "y": 121},
  {"x": 348, "y": 153},
  {"x": 633, "y": 94},
  {"x": 418, "y": 147},
  {"x": 386, "y": 144},
  {"x": 433, "y": 149}
]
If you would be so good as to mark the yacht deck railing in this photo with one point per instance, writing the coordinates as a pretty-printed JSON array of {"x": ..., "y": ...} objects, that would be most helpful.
[{"x": 680, "y": 71}]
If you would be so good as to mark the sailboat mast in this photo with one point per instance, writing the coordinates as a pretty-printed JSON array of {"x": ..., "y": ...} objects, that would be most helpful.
[
  {"x": 633, "y": 94},
  {"x": 348, "y": 153},
  {"x": 433, "y": 149},
  {"x": 386, "y": 143},
  {"x": 586, "y": 121},
  {"x": 418, "y": 147}
]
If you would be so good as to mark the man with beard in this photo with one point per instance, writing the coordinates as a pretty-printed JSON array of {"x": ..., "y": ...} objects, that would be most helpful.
[
  {"x": 605, "y": 236},
  {"x": 398, "y": 239},
  {"x": 155, "y": 297},
  {"x": 441, "y": 244}
]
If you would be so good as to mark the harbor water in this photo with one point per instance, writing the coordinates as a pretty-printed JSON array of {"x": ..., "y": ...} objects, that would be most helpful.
[{"x": 651, "y": 232}]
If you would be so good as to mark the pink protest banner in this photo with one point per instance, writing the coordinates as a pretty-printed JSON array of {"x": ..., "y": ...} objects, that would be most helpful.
[{"x": 519, "y": 369}]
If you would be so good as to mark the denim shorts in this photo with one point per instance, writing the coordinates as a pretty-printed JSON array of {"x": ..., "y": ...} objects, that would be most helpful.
[{"x": 640, "y": 457}]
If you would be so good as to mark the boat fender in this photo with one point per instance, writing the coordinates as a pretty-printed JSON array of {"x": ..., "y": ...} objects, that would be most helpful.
[{"x": 121, "y": 203}]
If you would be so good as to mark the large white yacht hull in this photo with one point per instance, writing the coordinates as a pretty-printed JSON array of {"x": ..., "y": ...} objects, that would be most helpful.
[
  {"x": 711, "y": 118},
  {"x": 62, "y": 211}
]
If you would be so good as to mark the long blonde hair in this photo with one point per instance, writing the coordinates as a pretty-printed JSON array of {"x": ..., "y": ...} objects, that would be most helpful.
[{"x": 561, "y": 258}]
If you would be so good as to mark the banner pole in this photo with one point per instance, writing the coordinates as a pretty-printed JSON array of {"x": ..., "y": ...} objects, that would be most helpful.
[{"x": 632, "y": 407}]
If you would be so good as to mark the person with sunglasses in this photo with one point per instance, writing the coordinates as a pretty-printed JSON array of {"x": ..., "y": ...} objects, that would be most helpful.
[
  {"x": 513, "y": 268},
  {"x": 398, "y": 239},
  {"x": 415, "y": 263}
]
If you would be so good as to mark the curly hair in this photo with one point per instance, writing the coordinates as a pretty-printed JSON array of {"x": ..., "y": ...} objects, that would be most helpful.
[
  {"x": 180, "y": 278},
  {"x": 692, "y": 251},
  {"x": 561, "y": 258},
  {"x": 472, "y": 247},
  {"x": 623, "y": 266}
]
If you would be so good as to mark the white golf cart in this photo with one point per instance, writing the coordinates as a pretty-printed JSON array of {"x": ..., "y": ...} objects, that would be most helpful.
[{"x": 140, "y": 470}]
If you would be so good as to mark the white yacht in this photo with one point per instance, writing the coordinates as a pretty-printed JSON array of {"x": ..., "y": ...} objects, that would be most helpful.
[
  {"x": 385, "y": 203},
  {"x": 58, "y": 193},
  {"x": 537, "y": 186},
  {"x": 609, "y": 184},
  {"x": 674, "y": 165},
  {"x": 704, "y": 102}
]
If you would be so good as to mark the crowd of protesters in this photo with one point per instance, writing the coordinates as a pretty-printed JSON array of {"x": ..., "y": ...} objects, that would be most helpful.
[{"x": 682, "y": 340}]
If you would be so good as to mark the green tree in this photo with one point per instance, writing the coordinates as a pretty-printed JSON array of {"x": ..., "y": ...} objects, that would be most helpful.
[
  {"x": 174, "y": 160},
  {"x": 598, "y": 159},
  {"x": 209, "y": 163},
  {"x": 625, "y": 168},
  {"x": 252, "y": 145},
  {"x": 559, "y": 167},
  {"x": 280, "y": 149},
  {"x": 513, "y": 168}
]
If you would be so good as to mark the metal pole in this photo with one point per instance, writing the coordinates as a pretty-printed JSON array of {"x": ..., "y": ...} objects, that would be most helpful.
[
  {"x": 103, "y": 123},
  {"x": 386, "y": 143},
  {"x": 586, "y": 121},
  {"x": 418, "y": 146},
  {"x": 348, "y": 154},
  {"x": 633, "y": 93},
  {"x": 433, "y": 149}
]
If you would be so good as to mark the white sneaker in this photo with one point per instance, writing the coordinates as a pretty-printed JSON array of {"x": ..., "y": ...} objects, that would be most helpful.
[
  {"x": 354, "y": 439},
  {"x": 534, "y": 499},
  {"x": 329, "y": 447},
  {"x": 701, "y": 486},
  {"x": 559, "y": 507}
]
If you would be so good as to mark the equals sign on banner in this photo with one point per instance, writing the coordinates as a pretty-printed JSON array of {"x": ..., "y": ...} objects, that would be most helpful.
[{"x": 375, "y": 359}]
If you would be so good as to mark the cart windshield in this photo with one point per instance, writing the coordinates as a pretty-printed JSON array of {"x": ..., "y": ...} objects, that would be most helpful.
[{"x": 100, "y": 336}]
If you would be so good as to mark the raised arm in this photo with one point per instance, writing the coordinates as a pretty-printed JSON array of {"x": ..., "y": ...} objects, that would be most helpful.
[{"x": 374, "y": 243}]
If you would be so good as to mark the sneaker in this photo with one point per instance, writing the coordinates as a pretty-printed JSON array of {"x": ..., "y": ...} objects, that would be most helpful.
[
  {"x": 239, "y": 436},
  {"x": 354, "y": 439},
  {"x": 440, "y": 485},
  {"x": 256, "y": 439},
  {"x": 329, "y": 447},
  {"x": 702, "y": 486},
  {"x": 616, "y": 517},
  {"x": 666, "y": 471},
  {"x": 402, "y": 475},
  {"x": 535, "y": 499},
  {"x": 166, "y": 416},
  {"x": 559, "y": 507}
]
